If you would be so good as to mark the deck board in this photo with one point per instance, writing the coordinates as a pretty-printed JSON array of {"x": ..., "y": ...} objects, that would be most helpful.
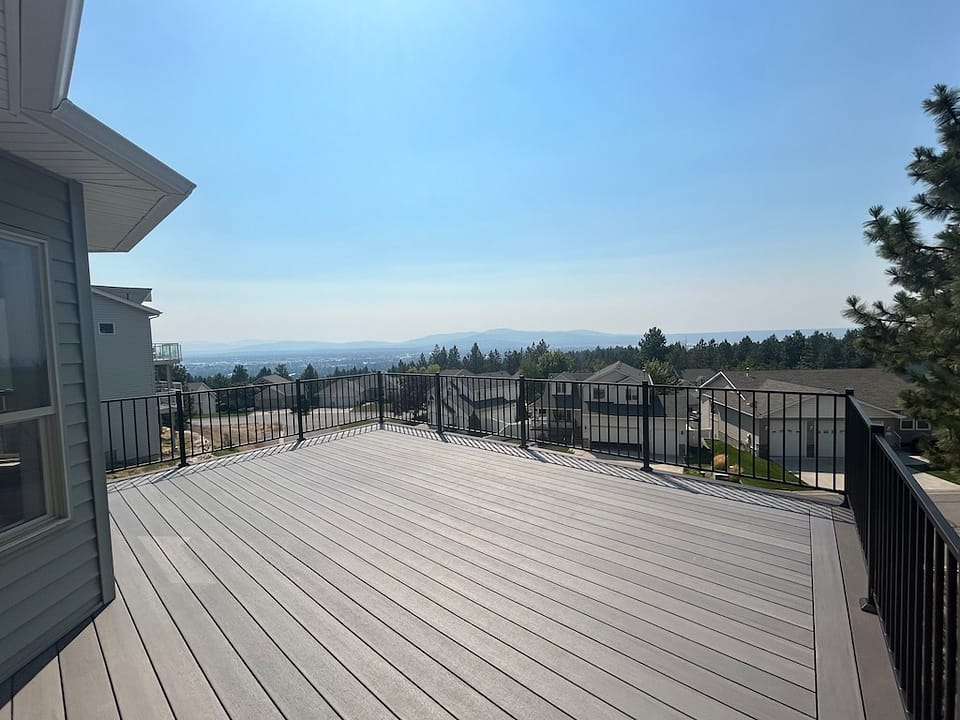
[
  {"x": 135, "y": 683},
  {"x": 87, "y": 689},
  {"x": 399, "y": 574}
]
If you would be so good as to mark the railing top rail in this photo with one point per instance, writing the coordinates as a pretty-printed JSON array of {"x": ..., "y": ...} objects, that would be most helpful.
[
  {"x": 858, "y": 408},
  {"x": 944, "y": 529}
]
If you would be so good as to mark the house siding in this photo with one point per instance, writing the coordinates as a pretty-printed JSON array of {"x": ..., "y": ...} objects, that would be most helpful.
[
  {"x": 124, "y": 360},
  {"x": 50, "y": 585}
]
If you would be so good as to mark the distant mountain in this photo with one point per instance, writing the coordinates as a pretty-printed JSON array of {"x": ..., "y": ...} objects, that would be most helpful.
[{"x": 496, "y": 339}]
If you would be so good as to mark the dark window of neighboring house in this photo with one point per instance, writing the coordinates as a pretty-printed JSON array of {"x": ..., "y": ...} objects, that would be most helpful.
[
  {"x": 632, "y": 393},
  {"x": 906, "y": 423},
  {"x": 31, "y": 457},
  {"x": 107, "y": 328},
  {"x": 923, "y": 424},
  {"x": 599, "y": 393}
]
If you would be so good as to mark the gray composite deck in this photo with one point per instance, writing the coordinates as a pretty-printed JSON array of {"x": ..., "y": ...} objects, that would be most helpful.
[{"x": 395, "y": 574}]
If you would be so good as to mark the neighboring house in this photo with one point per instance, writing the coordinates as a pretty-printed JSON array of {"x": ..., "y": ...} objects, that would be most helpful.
[
  {"x": 69, "y": 185},
  {"x": 604, "y": 411},
  {"x": 202, "y": 398},
  {"x": 346, "y": 392},
  {"x": 557, "y": 409},
  {"x": 695, "y": 377},
  {"x": 789, "y": 416},
  {"x": 131, "y": 427},
  {"x": 278, "y": 393},
  {"x": 484, "y": 403}
]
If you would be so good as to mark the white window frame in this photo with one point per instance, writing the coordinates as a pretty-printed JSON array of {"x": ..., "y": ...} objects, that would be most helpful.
[
  {"x": 599, "y": 393},
  {"x": 50, "y": 419},
  {"x": 633, "y": 393},
  {"x": 907, "y": 423},
  {"x": 113, "y": 328},
  {"x": 922, "y": 424}
]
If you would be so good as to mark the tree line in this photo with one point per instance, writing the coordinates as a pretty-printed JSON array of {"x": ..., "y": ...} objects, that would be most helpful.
[{"x": 663, "y": 361}]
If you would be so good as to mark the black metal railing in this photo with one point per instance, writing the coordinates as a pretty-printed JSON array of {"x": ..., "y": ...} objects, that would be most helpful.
[
  {"x": 911, "y": 553},
  {"x": 784, "y": 437},
  {"x": 179, "y": 426}
]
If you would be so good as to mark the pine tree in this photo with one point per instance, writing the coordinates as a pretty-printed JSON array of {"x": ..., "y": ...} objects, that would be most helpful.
[{"x": 918, "y": 333}]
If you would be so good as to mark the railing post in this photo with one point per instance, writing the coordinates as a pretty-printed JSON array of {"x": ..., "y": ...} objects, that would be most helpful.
[
  {"x": 181, "y": 433},
  {"x": 869, "y": 603},
  {"x": 299, "y": 412},
  {"x": 522, "y": 411},
  {"x": 380, "y": 398},
  {"x": 438, "y": 401},
  {"x": 645, "y": 397}
]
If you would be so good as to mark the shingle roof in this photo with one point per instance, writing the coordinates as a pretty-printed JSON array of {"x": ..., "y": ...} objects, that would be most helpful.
[
  {"x": 619, "y": 372},
  {"x": 873, "y": 386}
]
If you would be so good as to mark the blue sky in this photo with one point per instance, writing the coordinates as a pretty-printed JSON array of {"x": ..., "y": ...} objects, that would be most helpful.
[{"x": 382, "y": 170}]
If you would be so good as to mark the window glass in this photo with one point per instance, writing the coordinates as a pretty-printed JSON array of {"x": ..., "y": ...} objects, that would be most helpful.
[
  {"x": 107, "y": 328},
  {"x": 24, "y": 374},
  {"x": 22, "y": 494}
]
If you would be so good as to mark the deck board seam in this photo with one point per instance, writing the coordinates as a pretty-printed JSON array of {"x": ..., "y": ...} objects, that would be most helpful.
[
  {"x": 224, "y": 587},
  {"x": 434, "y": 496},
  {"x": 505, "y": 579},
  {"x": 177, "y": 625},
  {"x": 279, "y": 603},
  {"x": 584, "y": 565},
  {"x": 643, "y": 515},
  {"x": 611, "y": 470},
  {"x": 103, "y": 655},
  {"x": 615, "y": 650},
  {"x": 464, "y": 680},
  {"x": 463, "y": 619},
  {"x": 566, "y": 485}
]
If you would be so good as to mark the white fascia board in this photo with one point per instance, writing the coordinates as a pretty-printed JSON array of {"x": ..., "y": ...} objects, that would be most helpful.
[
  {"x": 72, "y": 122},
  {"x": 152, "y": 312}
]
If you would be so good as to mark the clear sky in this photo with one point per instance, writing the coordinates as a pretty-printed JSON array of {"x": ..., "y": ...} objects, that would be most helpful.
[{"x": 382, "y": 170}]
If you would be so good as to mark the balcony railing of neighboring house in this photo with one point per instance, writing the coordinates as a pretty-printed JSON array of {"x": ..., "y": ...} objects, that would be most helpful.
[
  {"x": 164, "y": 387},
  {"x": 166, "y": 353},
  {"x": 911, "y": 553}
]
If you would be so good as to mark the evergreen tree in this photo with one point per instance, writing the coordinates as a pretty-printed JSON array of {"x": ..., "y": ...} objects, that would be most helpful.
[
  {"x": 263, "y": 372},
  {"x": 474, "y": 361},
  {"x": 239, "y": 375},
  {"x": 653, "y": 346},
  {"x": 661, "y": 372},
  {"x": 282, "y": 371},
  {"x": 918, "y": 333}
]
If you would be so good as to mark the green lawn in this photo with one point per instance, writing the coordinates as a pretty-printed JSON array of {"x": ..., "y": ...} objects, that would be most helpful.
[
  {"x": 950, "y": 474},
  {"x": 750, "y": 465}
]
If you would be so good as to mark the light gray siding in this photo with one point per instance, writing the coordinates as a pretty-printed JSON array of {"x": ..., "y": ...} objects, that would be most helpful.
[
  {"x": 132, "y": 428},
  {"x": 48, "y": 586},
  {"x": 124, "y": 359}
]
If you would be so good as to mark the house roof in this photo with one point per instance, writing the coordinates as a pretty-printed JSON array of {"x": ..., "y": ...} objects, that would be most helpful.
[
  {"x": 696, "y": 376},
  {"x": 270, "y": 380},
  {"x": 126, "y": 191},
  {"x": 568, "y": 376},
  {"x": 619, "y": 372},
  {"x": 198, "y": 386},
  {"x": 874, "y": 386},
  {"x": 105, "y": 292}
]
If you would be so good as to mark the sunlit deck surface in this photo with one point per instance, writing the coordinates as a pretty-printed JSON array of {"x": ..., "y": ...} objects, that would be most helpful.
[{"x": 397, "y": 574}]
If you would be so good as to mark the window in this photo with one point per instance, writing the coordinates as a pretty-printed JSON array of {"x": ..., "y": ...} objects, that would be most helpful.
[
  {"x": 906, "y": 423},
  {"x": 31, "y": 457},
  {"x": 599, "y": 393},
  {"x": 632, "y": 393},
  {"x": 561, "y": 388},
  {"x": 923, "y": 424},
  {"x": 107, "y": 328}
]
